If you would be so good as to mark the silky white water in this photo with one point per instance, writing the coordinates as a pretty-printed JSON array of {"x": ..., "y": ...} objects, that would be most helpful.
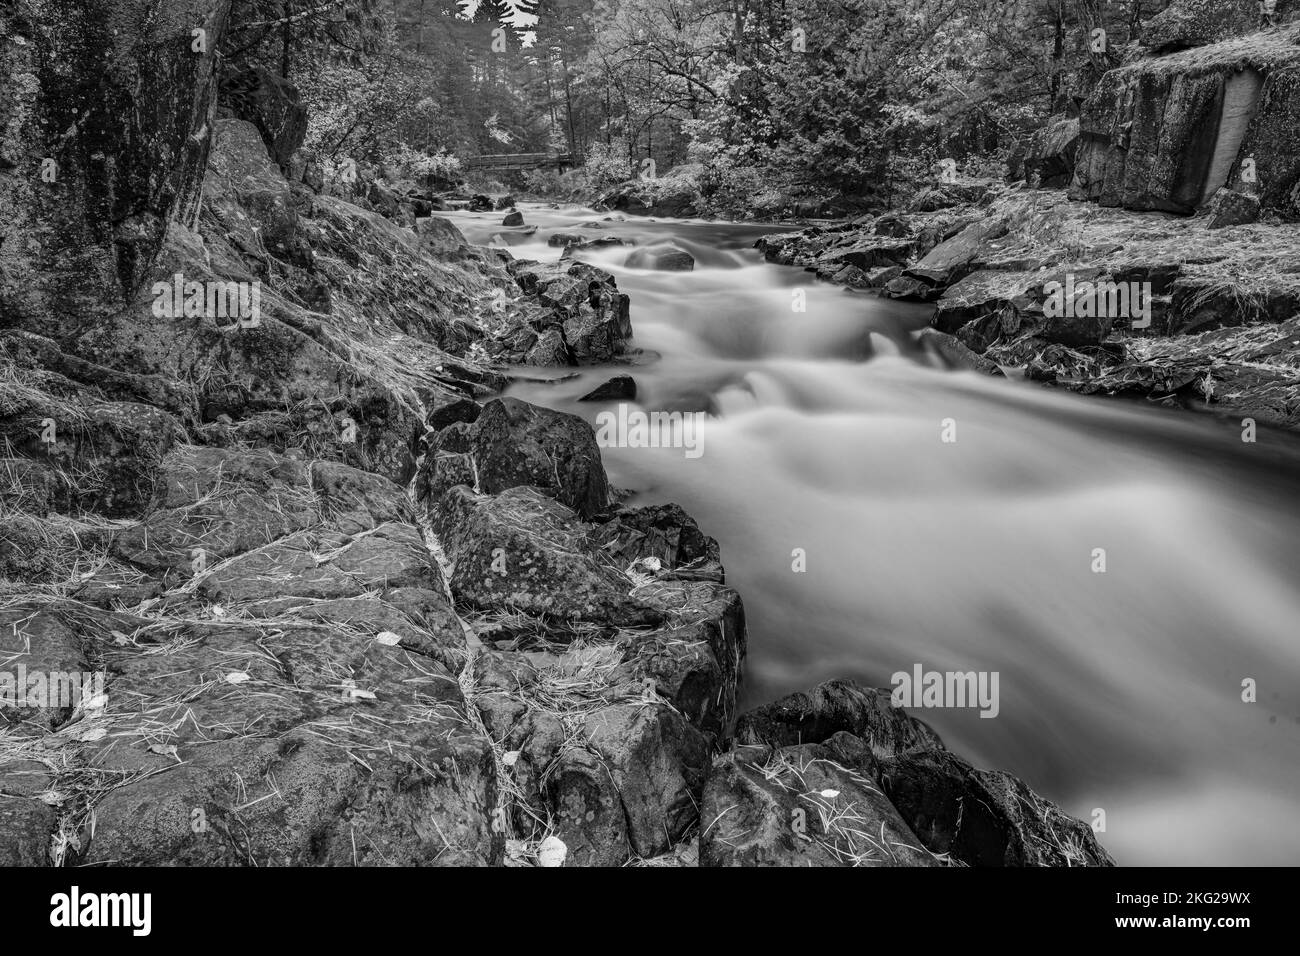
[{"x": 1119, "y": 691}]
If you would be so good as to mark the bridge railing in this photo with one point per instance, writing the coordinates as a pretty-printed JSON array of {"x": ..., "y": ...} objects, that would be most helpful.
[{"x": 518, "y": 160}]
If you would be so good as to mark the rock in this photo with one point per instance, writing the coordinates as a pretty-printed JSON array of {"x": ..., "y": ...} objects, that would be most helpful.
[
  {"x": 480, "y": 203},
  {"x": 1167, "y": 133},
  {"x": 549, "y": 350},
  {"x": 505, "y": 202},
  {"x": 832, "y": 707},
  {"x": 984, "y": 293},
  {"x": 513, "y": 443},
  {"x": 565, "y": 239},
  {"x": 153, "y": 90},
  {"x": 663, "y": 532},
  {"x": 1230, "y": 208},
  {"x": 386, "y": 202},
  {"x": 26, "y": 829},
  {"x": 694, "y": 662},
  {"x": 441, "y": 239},
  {"x": 272, "y": 104},
  {"x": 456, "y": 410},
  {"x": 984, "y": 818},
  {"x": 247, "y": 196},
  {"x": 618, "y": 388},
  {"x": 803, "y": 805},
  {"x": 868, "y": 253},
  {"x": 513, "y": 219},
  {"x": 954, "y": 353},
  {"x": 523, "y": 550},
  {"x": 1050, "y": 154},
  {"x": 1192, "y": 23},
  {"x": 951, "y": 259},
  {"x": 676, "y": 199},
  {"x": 584, "y": 305},
  {"x": 657, "y": 762},
  {"x": 664, "y": 257},
  {"x": 588, "y": 815}
]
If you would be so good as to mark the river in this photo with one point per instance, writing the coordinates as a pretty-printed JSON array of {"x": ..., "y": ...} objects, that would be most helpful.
[{"x": 1119, "y": 691}]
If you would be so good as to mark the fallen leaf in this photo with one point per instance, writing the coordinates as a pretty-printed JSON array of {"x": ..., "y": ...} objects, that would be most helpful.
[
  {"x": 552, "y": 852},
  {"x": 388, "y": 638},
  {"x": 236, "y": 677}
]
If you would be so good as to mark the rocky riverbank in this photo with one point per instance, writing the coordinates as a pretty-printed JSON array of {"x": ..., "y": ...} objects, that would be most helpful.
[
  {"x": 342, "y": 605},
  {"x": 1168, "y": 270}
]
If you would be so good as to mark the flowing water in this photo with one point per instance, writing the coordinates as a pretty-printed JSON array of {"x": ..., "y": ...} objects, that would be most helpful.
[{"x": 1119, "y": 690}]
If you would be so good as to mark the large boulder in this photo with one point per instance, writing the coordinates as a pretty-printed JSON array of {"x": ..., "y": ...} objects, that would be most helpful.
[
  {"x": 803, "y": 805},
  {"x": 663, "y": 257},
  {"x": 513, "y": 443},
  {"x": 584, "y": 318},
  {"x": 1049, "y": 157},
  {"x": 272, "y": 104},
  {"x": 1192, "y": 23},
  {"x": 1167, "y": 133},
  {"x": 833, "y": 707},
  {"x": 982, "y": 817},
  {"x": 525, "y": 552}
]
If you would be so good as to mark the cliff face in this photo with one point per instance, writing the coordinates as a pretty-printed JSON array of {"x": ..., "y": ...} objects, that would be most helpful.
[
  {"x": 1166, "y": 133},
  {"x": 105, "y": 120}
]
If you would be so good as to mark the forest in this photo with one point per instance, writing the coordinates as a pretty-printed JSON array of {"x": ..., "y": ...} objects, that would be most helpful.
[{"x": 757, "y": 103}]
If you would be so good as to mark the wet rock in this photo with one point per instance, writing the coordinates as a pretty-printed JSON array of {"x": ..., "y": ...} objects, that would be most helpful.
[
  {"x": 618, "y": 388},
  {"x": 480, "y": 203},
  {"x": 632, "y": 197},
  {"x": 566, "y": 239},
  {"x": 505, "y": 202},
  {"x": 513, "y": 219},
  {"x": 661, "y": 256},
  {"x": 581, "y": 302},
  {"x": 836, "y": 706},
  {"x": 523, "y": 550},
  {"x": 805, "y": 805},
  {"x": 984, "y": 818},
  {"x": 663, "y": 532},
  {"x": 954, "y": 353},
  {"x": 514, "y": 443}
]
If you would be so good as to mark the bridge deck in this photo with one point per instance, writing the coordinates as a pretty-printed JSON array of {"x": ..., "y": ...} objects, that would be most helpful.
[{"x": 518, "y": 161}]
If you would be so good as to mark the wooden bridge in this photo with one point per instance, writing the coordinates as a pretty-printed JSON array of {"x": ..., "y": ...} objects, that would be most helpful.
[{"x": 519, "y": 161}]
